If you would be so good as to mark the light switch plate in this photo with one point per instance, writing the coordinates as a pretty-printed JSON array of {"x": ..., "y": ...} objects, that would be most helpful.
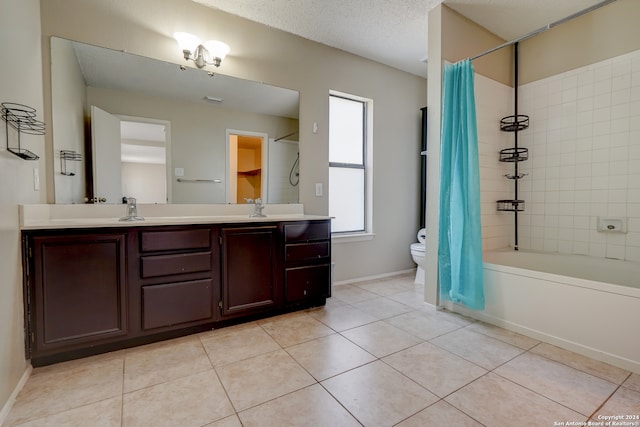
[
  {"x": 179, "y": 172},
  {"x": 36, "y": 179},
  {"x": 318, "y": 189}
]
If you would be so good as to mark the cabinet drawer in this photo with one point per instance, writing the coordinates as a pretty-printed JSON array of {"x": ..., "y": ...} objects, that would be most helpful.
[
  {"x": 176, "y": 303},
  {"x": 166, "y": 265},
  {"x": 175, "y": 239},
  {"x": 305, "y": 251},
  {"x": 306, "y": 231},
  {"x": 307, "y": 282}
]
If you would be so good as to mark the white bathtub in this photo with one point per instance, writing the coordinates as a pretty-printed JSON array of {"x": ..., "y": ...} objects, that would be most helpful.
[{"x": 584, "y": 304}]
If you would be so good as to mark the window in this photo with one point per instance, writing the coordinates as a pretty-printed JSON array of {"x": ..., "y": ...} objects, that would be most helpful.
[{"x": 349, "y": 164}]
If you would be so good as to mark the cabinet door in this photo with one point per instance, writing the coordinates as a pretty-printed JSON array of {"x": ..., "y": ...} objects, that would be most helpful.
[
  {"x": 80, "y": 290},
  {"x": 307, "y": 283},
  {"x": 249, "y": 264}
]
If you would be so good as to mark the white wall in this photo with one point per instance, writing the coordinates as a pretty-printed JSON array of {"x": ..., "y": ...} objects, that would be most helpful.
[
  {"x": 264, "y": 54},
  {"x": 21, "y": 82},
  {"x": 145, "y": 182},
  {"x": 584, "y": 145}
]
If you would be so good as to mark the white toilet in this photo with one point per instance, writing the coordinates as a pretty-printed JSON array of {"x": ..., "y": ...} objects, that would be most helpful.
[{"x": 417, "y": 253}]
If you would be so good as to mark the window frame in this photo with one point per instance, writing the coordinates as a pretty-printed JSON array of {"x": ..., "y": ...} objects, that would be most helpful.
[{"x": 367, "y": 166}]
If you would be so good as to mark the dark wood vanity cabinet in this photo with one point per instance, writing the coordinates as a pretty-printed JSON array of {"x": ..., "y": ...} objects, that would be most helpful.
[
  {"x": 307, "y": 261},
  {"x": 76, "y": 290},
  {"x": 93, "y": 290},
  {"x": 249, "y": 270},
  {"x": 175, "y": 278}
]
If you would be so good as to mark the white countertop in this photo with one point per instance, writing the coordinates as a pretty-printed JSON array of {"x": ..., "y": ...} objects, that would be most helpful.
[{"x": 35, "y": 217}]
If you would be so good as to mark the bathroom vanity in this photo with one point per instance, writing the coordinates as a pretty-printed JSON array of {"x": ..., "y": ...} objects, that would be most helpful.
[{"x": 95, "y": 285}]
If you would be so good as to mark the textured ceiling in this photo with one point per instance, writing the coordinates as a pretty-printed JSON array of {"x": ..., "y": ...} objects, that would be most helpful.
[{"x": 393, "y": 32}]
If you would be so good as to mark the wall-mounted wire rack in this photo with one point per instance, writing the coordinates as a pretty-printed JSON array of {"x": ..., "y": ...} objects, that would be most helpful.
[
  {"x": 68, "y": 155},
  {"x": 22, "y": 118}
]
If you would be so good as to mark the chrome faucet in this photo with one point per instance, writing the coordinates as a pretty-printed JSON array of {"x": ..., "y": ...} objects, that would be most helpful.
[
  {"x": 257, "y": 209},
  {"x": 132, "y": 211}
]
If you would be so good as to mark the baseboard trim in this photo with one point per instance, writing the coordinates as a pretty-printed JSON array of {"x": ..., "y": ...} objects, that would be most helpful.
[
  {"x": 4, "y": 413},
  {"x": 374, "y": 277}
]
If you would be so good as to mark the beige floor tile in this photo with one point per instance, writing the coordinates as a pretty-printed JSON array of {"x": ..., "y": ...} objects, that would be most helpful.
[
  {"x": 77, "y": 364},
  {"x": 504, "y": 335},
  {"x": 422, "y": 325},
  {"x": 312, "y": 406},
  {"x": 385, "y": 288},
  {"x": 447, "y": 315},
  {"x": 477, "y": 348},
  {"x": 582, "y": 363},
  {"x": 382, "y": 308},
  {"x": 380, "y": 338},
  {"x": 623, "y": 402},
  {"x": 106, "y": 413},
  {"x": 435, "y": 369},
  {"x": 577, "y": 390},
  {"x": 495, "y": 401},
  {"x": 329, "y": 356},
  {"x": 331, "y": 302},
  {"x": 295, "y": 330},
  {"x": 411, "y": 298},
  {"x": 351, "y": 294},
  {"x": 378, "y": 395},
  {"x": 440, "y": 414},
  {"x": 254, "y": 381},
  {"x": 189, "y": 401},
  {"x": 75, "y": 384},
  {"x": 232, "y": 421},
  {"x": 164, "y": 361},
  {"x": 342, "y": 318},
  {"x": 237, "y": 344},
  {"x": 633, "y": 382}
]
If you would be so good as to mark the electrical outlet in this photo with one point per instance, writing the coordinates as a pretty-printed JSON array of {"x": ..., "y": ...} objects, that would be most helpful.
[
  {"x": 179, "y": 171},
  {"x": 318, "y": 189}
]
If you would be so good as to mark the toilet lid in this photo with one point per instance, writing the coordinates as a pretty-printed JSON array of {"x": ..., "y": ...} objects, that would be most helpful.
[{"x": 422, "y": 235}]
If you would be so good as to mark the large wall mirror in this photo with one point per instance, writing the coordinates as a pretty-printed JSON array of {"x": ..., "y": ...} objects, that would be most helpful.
[{"x": 129, "y": 126}]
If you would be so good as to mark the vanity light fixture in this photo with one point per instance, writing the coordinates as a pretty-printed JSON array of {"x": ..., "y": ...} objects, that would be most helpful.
[{"x": 207, "y": 53}]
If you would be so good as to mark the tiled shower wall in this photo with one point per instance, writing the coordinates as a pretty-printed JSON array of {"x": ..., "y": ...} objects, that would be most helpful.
[
  {"x": 493, "y": 101},
  {"x": 584, "y": 160}
]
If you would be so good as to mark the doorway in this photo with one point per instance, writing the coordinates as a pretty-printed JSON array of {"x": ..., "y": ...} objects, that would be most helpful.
[
  {"x": 246, "y": 166},
  {"x": 130, "y": 158}
]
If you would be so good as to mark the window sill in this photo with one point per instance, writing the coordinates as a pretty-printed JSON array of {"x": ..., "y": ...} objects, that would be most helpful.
[{"x": 354, "y": 237}]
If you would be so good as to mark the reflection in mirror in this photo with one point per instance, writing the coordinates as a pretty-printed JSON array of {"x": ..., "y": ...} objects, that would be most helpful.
[{"x": 197, "y": 108}]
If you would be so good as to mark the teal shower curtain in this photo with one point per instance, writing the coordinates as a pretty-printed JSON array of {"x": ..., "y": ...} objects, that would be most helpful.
[{"x": 460, "y": 237}]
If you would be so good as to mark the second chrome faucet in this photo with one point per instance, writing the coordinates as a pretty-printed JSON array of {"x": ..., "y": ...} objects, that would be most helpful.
[{"x": 257, "y": 209}]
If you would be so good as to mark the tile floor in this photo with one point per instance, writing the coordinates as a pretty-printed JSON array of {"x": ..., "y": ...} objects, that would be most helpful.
[{"x": 375, "y": 355}]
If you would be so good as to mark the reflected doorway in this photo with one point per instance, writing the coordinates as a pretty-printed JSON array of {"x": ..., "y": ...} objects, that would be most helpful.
[
  {"x": 247, "y": 166},
  {"x": 144, "y": 160},
  {"x": 130, "y": 158}
]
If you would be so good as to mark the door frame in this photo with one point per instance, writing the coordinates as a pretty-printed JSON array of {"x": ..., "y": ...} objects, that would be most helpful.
[{"x": 232, "y": 153}]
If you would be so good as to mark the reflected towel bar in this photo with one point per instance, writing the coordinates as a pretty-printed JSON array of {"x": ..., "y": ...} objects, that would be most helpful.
[{"x": 217, "y": 181}]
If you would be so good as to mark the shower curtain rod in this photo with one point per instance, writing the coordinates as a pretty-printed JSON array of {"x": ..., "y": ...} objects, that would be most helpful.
[{"x": 545, "y": 28}]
